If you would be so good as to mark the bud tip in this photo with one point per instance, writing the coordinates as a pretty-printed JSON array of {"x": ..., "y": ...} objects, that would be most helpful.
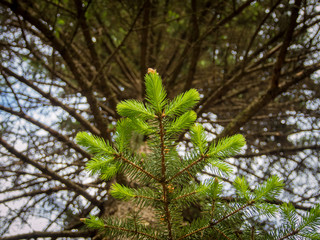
[{"x": 151, "y": 70}]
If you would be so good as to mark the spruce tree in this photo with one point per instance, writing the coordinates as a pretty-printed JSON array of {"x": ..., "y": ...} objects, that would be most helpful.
[{"x": 168, "y": 179}]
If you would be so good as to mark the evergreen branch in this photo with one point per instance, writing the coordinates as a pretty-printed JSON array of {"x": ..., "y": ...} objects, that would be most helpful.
[
  {"x": 185, "y": 195},
  {"x": 292, "y": 233},
  {"x": 97, "y": 165},
  {"x": 125, "y": 193},
  {"x": 227, "y": 147},
  {"x": 131, "y": 231},
  {"x": 188, "y": 192},
  {"x": 213, "y": 188},
  {"x": 222, "y": 233},
  {"x": 194, "y": 232},
  {"x": 275, "y": 201},
  {"x": 232, "y": 213},
  {"x": 182, "y": 103},
  {"x": 312, "y": 219},
  {"x": 163, "y": 163},
  {"x": 155, "y": 92},
  {"x": 308, "y": 227},
  {"x": 93, "y": 144},
  {"x": 270, "y": 189},
  {"x": 183, "y": 122},
  {"x": 220, "y": 168},
  {"x": 163, "y": 166},
  {"x": 145, "y": 197},
  {"x": 210, "y": 225},
  {"x": 138, "y": 167},
  {"x": 110, "y": 171},
  {"x": 123, "y": 133},
  {"x": 290, "y": 215},
  {"x": 198, "y": 137},
  {"x": 166, "y": 208},
  {"x": 141, "y": 127},
  {"x": 121, "y": 192},
  {"x": 134, "y": 109},
  {"x": 242, "y": 187},
  {"x": 186, "y": 168},
  {"x": 98, "y": 224}
]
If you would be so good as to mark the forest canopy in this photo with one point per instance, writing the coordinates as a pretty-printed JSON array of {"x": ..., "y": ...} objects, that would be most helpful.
[{"x": 66, "y": 64}]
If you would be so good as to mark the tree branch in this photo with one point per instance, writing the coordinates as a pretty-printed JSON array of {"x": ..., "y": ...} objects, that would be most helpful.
[
  {"x": 144, "y": 45},
  {"x": 68, "y": 54},
  {"x": 50, "y": 173},
  {"x": 53, "y": 132},
  {"x": 274, "y": 82},
  {"x": 34, "y": 193},
  {"x": 34, "y": 235},
  {"x": 54, "y": 101},
  {"x": 279, "y": 150},
  {"x": 269, "y": 95}
]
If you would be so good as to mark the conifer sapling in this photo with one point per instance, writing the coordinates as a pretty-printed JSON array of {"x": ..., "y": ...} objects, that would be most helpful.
[{"x": 169, "y": 178}]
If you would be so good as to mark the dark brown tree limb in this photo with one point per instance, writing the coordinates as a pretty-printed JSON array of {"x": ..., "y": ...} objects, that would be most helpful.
[
  {"x": 277, "y": 151},
  {"x": 86, "y": 31},
  {"x": 53, "y": 132},
  {"x": 225, "y": 20},
  {"x": 264, "y": 99},
  {"x": 34, "y": 193},
  {"x": 190, "y": 45},
  {"x": 58, "y": 44},
  {"x": 54, "y": 101},
  {"x": 103, "y": 83},
  {"x": 144, "y": 45},
  {"x": 35, "y": 235},
  {"x": 114, "y": 53},
  {"x": 50, "y": 173},
  {"x": 274, "y": 81},
  {"x": 68, "y": 54},
  {"x": 196, "y": 50},
  {"x": 257, "y": 31},
  {"x": 218, "y": 92}
]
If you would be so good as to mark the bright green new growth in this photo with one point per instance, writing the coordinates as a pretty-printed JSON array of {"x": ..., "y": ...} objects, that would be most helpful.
[{"x": 167, "y": 181}]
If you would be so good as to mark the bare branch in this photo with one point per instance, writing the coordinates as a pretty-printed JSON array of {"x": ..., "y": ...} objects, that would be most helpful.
[
  {"x": 286, "y": 42},
  {"x": 263, "y": 100},
  {"x": 54, "y": 101},
  {"x": 33, "y": 235},
  {"x": 53, "y": 132},
  {"x": 50, "y": 173}
]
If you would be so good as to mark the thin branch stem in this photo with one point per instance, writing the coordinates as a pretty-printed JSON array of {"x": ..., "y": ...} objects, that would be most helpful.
[
  {"x": 185, "y": 195},
  {"x": 54, "y": 101},
  {"x": 218, "y": 221},
  {"x": 186, "y": 168},
  {"x": 33, "y": 235},
  {"x": 53, "y": 132},
  {"x": 50, "y": 173},
  {"x": 138, "y": 167},
  {"x": 131, "y": 231},
  {"x": 163, "y": 176},
  {"x": 294, "y": 232}
]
